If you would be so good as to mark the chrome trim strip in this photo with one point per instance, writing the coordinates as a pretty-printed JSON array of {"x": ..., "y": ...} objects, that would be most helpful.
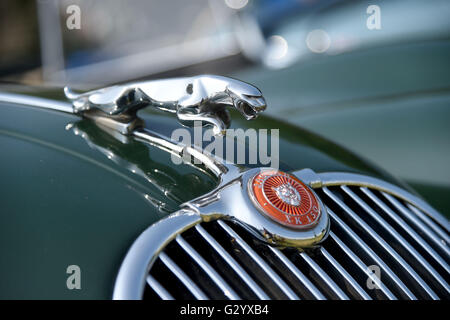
[
  {"x": 418, "y": 239},
  {"x": 225, "y": 172},
  {"x": 183, "y": 277},
  {"x": 372, "y": 255},
  {"x": 298, "y": 274},
  {"x": 210, "y": 272},
  {"x": 267, "y": 269},
  {"x": 381, "y": 242},
  {"x": 363, "y": 267},
  {"x": 35, "y": 102},
  {"x": 158, "y": 140},
  {"x": 232, "y": 263},
  {"x": 345, "y": 274},
  {"x": 158, "y": 288},
  {"x": 130, "y": 281},
  {"x": 324, "y": 276}
]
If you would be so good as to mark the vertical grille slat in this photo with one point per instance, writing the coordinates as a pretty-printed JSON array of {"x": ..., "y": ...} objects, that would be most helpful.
[
  {"x": 324, "y": 276},
  {"x": 436, "y": 235},
  {"x": 433, "y": 225},
  {"x": 367, "y": 250},
  {"x": 232, "y": 263},
  {"x": 418, "y": 239},
  {"x": 159, "y": 289},
  {"x": 298, "y": 274},
  {"x": 363, "y": 294},
  {"x": 215, "y": 277},
  {"x": 267, "y": 269},
  {"x": 405, "y": 245},
  {"x": 415, "y": 278},
  {"x": 183, "y": 277},
  {"x": 363, "y": 267}
]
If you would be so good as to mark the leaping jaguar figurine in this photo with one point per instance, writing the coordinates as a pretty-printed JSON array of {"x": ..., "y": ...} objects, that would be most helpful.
[{"x": 200, "y": 98}]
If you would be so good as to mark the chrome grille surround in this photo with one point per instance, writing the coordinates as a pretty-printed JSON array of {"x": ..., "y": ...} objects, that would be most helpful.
[{"x": 372, "y": 223}]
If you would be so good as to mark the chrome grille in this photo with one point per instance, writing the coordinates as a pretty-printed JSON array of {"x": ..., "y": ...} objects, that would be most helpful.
[
  {"x": 369, "y": 227},
  {"x": 376, "y": 225}
]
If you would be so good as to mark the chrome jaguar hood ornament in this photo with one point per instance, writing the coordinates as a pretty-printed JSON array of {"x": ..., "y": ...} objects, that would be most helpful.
[
  {"x": 200, "y": 98},
  {"x": 274, "y": 206}
]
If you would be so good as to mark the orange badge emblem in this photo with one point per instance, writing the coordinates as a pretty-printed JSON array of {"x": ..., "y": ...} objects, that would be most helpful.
[{"x": 285, "y": 199}]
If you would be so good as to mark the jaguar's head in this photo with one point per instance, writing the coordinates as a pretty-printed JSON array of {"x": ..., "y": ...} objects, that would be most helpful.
[{"x": 247, "y": 99}]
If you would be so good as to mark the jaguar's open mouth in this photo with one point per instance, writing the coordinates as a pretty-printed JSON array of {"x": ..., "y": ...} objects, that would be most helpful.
[{"x": 251, "y": 106}]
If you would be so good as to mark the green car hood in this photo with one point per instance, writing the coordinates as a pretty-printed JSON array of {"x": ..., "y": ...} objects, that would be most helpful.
[{"x": 73, "y": 194}]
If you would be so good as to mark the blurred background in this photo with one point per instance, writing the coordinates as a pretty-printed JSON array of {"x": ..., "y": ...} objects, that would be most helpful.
[{"x": 373, "y": 76}]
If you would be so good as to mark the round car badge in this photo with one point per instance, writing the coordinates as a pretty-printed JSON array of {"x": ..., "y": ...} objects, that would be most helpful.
[{"x": 285, "y": 199}]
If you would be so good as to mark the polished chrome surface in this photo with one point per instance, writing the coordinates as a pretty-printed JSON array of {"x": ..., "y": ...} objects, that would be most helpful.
[
  {"x": 159, "y": 289},
  {"x": 381, "y": 241},
  {"x": 233, "y": 201},
  {"x": 363, "y": 268},
  {"x": 218, "y": 280},
  {"x": 445, "y": 239},
  {"x": 125, "y": 124},
  {"x": 401, "y": 234},
  {"x": 217, "y": 166},
  {"x": 298, "y": 274},
  {"x": 417, "y": 218},
  {"x": 185, "y": 280},
  {"x": 259, "y": 261},
  {"x": 351, "y": 179},
  {"x": 324, "y": 276},
  {"x": 418, "y": 239},
  {"x": 341, "y": 270},
  {"x": 288, "y": 194},
  {"x": 398, "y": 226},
  {"x": 364, "y": 249},
  {"x": 35, "y": 102},
  {"x": 372, "y": 223},
  {"x": 233, "y": 263},
  {"x": 119, "y": 126},
  {"x": 132, "y": 274},
  {"x": 199, "y": 98}
]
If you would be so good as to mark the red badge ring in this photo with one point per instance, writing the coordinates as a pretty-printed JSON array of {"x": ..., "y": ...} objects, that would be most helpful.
[{"x": 285, "y": 199}]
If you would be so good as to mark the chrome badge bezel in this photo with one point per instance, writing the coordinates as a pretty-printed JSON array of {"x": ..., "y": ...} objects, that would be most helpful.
[{"x": 232, "y": 201}]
